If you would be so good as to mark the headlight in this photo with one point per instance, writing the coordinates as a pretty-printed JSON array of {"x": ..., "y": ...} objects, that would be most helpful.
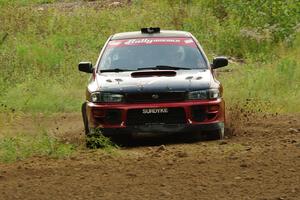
[
  {"x": 204, "y": 94},
  {"x": 98, "y": 97}
]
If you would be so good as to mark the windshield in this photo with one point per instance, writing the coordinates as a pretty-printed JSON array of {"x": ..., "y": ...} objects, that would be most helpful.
[{"x": 137, "y": 54}]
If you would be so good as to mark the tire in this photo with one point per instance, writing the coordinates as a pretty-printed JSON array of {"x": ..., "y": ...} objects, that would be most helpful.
[
  {"x": 121, "y": 140},
  {"x": 85, "y": 119},
  {"x": 90, "y": 139},
  {"x": 218, "y": 134}
]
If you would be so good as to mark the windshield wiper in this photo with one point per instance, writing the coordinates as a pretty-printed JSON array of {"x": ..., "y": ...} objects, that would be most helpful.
[
  {"x": 162, "y": 67},
  {"x": 158, "y": 67},
  {"x": 115, "y": 70}
]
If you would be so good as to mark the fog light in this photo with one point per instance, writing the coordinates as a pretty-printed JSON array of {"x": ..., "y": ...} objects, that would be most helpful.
[
  {"x": 213, "y": 108},
  {"x": 99, "y": 113}
]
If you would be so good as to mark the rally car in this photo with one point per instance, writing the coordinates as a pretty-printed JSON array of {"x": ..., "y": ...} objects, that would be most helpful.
[{"x": 153, "y": 81}]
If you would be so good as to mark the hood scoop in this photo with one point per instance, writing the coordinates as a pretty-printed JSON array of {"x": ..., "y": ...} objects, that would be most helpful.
[{"x": 168, "y": 73}]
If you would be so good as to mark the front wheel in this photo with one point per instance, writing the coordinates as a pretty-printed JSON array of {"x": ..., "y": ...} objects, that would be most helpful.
[
  {"x": 85, "y": 119},
  {"x": 218, "y": 134},
  {"x": 215, "y": 134}
]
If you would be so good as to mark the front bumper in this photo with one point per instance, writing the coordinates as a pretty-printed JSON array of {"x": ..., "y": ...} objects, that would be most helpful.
[
  {"x": 152, "y": 130},
  {"x": 194, "y": 116}
]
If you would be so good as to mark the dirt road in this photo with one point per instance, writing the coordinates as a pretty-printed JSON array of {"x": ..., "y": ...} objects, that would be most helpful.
[{"x": 262, "y": 161}]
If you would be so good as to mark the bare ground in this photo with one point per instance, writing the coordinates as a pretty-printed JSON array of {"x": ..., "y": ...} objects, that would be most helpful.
[{"x": 260, "y": 161}]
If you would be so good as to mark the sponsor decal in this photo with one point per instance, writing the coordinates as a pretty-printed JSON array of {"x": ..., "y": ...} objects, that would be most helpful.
[
  {"x": 155, "y": 110},
  {"x": 115, "y": 43},
  {"x": 189, "y": 41},
  {"x": 152, "y": 41}
]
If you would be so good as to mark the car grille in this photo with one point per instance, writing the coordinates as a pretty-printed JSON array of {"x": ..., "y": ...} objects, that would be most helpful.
[
  {"x": 174, "y": 116},
  {"x": 155, "y": 97},
  {"x": 113, "y": 117},
  {"x": 199, "y": 113}
]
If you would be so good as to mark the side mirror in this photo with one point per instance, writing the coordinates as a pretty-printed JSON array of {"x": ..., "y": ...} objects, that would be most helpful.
[
  {"x": 85, "y": 67},
  {"x": 219, "y": 62}
]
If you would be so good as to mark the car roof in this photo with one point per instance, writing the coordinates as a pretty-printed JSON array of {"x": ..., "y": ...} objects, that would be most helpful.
[{"x": 139, "y": 34}]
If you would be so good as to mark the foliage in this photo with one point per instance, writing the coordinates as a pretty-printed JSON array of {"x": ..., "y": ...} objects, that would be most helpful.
[
  {"x": 24, "y": 146},
  {"x": 25, "y": 2},
  {"x": 275, "y": 19},
  {"x": 40, "y": 48},
  {"x": 97, "y": 140},
  {"x": 272, "y": 87}
]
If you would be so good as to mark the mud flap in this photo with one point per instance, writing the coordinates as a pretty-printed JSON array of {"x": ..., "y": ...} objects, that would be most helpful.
[
  {"x": 217, "y": 134},
  {"x": 85, "y": 119}
]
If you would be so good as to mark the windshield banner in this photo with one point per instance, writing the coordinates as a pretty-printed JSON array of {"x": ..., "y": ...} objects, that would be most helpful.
[{"x": 153, "y": 41}]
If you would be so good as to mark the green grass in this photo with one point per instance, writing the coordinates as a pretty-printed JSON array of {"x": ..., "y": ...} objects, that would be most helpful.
[
  {"x": 40, "y": 49},
  {"x": 269, "y": 87},
  {"x": 36, "y": 96},
  {"x": 24, "y": 146},
  {"x": 25, "y": 2}
]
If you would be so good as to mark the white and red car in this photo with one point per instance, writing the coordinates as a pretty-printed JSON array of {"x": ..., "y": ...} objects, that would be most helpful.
[{"x": 153, "y": 81}]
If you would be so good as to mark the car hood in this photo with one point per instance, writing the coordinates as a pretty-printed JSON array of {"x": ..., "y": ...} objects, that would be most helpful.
[{"x": 181, "y": 80}]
